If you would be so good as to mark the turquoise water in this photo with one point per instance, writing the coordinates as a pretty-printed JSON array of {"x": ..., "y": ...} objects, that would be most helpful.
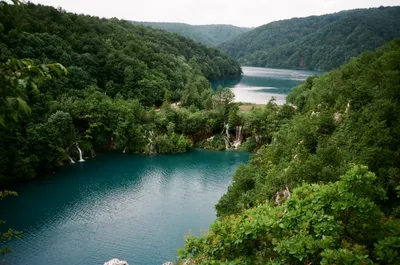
[
  {"x": 258, "y": 85},
  {"x": 131, "y": 207}
]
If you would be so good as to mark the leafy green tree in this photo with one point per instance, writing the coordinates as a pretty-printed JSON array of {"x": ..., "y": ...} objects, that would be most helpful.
[
  {"x": 335, "y": 223},
  {"x": 171, "y": 144},
  {"x": 16, "y": 76}
]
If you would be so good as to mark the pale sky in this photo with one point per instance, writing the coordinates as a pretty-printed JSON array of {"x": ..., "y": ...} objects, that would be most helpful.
[{"x": 248, "y": 13}]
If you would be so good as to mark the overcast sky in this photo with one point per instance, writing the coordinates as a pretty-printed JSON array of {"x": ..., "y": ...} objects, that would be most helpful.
[{"x": 249, "y": 13}]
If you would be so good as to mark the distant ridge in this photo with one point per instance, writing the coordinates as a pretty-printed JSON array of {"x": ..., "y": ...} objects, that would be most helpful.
[
  {"x": 211, "y": 35},
  {"x": 317, "y": 42}
]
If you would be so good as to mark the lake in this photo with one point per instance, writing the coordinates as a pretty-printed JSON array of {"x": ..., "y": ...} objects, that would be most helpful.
[
  {"x": 132, "y": 207},
  {"x": 258, "y": 85}
]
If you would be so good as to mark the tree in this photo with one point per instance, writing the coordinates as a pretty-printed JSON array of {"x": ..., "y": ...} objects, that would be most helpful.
[
  {"x": 16, "y": 76},
  {"x": 346, "y": 115},
  {"x": 317, "y": 42},
  {"x": 335, "y": 223},
  {"x": 10, "y": 233}
]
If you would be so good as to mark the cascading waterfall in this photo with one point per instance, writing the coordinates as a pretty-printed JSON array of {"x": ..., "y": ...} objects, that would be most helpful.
[
  {"x": 227, "y": 130},
  {"x": 151, "y": 144},
  {"x": 80, "y": 153},
  {"x": 227, "y": 143},
  {"x": 239, "y": 137},
  {"x": 227, "y": 137},
  {"x": 70, "y": 159},
  {"x": 124, "y": 150}
]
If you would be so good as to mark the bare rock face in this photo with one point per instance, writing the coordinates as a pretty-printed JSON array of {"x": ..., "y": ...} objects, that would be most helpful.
[{"x": 116, "y": 262}]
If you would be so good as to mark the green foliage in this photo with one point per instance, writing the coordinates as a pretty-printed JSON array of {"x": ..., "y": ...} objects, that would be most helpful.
[
  {"x": 211, "y": 35},
  {"x": 94, "y": 121},
  {"x": 349, "y": 115},
  {"x": 216, "y": 142},
  {"x": 16, "y": 77},
  {"x": 249, "y": 145},
  {"x": 335, "y": 223},
  {"x": 264, "y": 122},
  {"x": 118, "y": 74},
  {"x": 10, "y": 233},
  {"x": 172, "y": 144},
  {"x": 317, "y": 42},
  {"x": 116, "y": 56}
]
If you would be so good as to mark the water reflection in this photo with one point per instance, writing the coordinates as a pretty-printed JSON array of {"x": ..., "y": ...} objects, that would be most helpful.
[
  {"x": 226, "y": 82},
  {"x": 137, "y": 208}
]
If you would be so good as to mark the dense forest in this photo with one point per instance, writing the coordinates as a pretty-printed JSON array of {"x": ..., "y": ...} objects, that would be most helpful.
[
  {"x": 318, "y": 42},
  {"x": 210, "y": 35},
  {"x": 326, "y": 188},
  {"x": 72, "y": 83}
]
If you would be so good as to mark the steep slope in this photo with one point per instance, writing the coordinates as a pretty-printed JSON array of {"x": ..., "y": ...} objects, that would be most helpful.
[
  {"x": 349, "y": 115},
  {"x": 136, "y": 61},
  {"x": 115, "y": 75},
  {"x": 307, "y": 197},
  {"x": 317, "y": 42},
  {"x": 211, "y": 35},
  {"x": 334, "y": 223}
]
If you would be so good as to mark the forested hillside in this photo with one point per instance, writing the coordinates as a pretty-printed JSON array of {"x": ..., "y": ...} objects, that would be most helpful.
[
  {"x": 211, "y": 35},
  {"x": 105, "y": 52},
  {"x": 318, "y": 42},
  {"x": 346, "y": 123},
  {"x": 73, "y": 82}
]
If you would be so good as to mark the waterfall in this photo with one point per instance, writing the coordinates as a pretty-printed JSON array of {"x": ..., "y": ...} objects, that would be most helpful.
[
  {"x": 80, "y": 154},
  {"x": 124, "y": 150},
  {"x": 151, "y": 145},
  {"x": 70, "y": 159},
  {"x": 226, "y": 125},
  {"x": 239, "y": 137},
  {"x": 227, "y": 137},
  {"x": 227, "y": 143}
]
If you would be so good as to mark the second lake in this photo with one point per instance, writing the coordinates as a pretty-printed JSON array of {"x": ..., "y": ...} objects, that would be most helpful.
[{"x": 258, "y": 85}]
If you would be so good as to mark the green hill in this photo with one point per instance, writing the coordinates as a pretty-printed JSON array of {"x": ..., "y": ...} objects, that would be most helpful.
[
  {"x": 103, "y": 52},
  {"x": 211, "y": 35},
  {"x": 316, "y": 42},
  {"x": 346, "y": 122},
  {"x": 349, "y": 115},
  {"x": 115, "y": 75}
]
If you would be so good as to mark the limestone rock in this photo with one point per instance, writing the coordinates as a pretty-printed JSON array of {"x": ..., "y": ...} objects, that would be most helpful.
[
  {"x": 116, "y": 262},
  {"x": 337, "y": 117}
]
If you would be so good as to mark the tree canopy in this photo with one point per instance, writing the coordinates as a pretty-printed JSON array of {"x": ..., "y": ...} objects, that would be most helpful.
[
  {"x": 70, "y": 81},
  {"x": 335, "y": 223},
  {"x": 317, "y": 42},
  {"x": 304, "y": 198},
  {"x": 112, "y": 54},
  {"x": 210, "y": 35},
  {"x": 349, "y": 115}
]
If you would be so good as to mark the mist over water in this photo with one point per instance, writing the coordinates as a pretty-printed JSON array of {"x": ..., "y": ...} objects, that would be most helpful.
[
  {"x": 258, "y": 85},
  {"x": 131, "y": 207}
]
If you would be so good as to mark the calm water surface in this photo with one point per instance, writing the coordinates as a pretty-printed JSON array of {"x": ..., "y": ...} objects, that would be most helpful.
[
  {"x": 258, "y": 85},
  {"x": 136, "y": 208}
]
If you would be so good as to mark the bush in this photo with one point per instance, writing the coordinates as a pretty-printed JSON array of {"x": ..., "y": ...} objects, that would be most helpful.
[
  {"x": 172, "y": 144},
  {"x": 335, "y": 223}
]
